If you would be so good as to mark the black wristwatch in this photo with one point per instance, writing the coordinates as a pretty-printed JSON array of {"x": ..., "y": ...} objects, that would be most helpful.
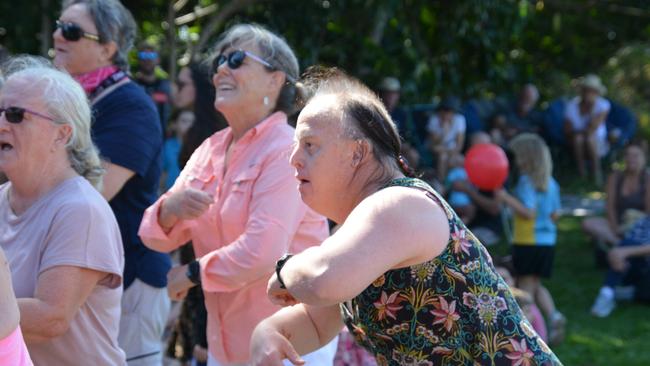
[
  {"x": 194, "y": 272},
  {"x": 278, "y": 267}
]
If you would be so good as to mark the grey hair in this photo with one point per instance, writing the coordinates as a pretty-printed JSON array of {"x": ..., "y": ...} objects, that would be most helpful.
[
  {"x": 67, "y": 104},
  {"x": 114, "y": 23},
  {"x": 275, "y": 50}
]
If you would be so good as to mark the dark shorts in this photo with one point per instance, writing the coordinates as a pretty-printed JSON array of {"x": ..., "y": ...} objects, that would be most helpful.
[{"x": 533, "y": 260}]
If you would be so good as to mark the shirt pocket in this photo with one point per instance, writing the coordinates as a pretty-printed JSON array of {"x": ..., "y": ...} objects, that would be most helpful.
[
  {"x": 200, "y": 180},
  {"x": 237, "y": 203}
]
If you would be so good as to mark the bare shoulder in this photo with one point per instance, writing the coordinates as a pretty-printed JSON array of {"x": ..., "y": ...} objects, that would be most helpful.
[
  {"x": 406, "y": 210},
  {"x": 404, "y": 198}
]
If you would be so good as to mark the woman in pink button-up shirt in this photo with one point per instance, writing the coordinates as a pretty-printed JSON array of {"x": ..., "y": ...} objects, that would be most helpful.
[{"x": 237, "y": 197}]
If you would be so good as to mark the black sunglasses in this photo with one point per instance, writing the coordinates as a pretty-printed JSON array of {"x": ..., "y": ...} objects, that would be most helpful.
[
  {"x": 17, "y": 114},
  {"x": 73, "y": 32},
  {"x": 235, "y": 59}
]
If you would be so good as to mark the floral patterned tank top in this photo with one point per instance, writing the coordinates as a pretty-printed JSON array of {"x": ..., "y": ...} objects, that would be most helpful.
[{"x": 452, "y": 310}]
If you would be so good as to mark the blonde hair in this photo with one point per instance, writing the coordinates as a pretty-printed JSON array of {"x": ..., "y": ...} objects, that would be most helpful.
[{"x": 533, "y": 159}]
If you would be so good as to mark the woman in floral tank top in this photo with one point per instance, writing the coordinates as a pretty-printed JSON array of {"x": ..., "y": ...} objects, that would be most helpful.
[{"x": 403, "y": 273}]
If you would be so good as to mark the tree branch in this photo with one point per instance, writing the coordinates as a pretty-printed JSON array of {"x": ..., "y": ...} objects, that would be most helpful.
[{"x": 217, "y": 21}]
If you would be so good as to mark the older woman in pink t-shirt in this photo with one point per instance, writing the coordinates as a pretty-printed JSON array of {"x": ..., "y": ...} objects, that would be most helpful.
[
  {"x": 237, "y": 198},
  {"x": 58, "y": 233}
]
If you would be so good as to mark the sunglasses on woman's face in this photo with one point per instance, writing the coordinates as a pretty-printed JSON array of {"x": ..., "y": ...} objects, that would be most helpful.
[
  {"x": 235, "y": 59},
  {"x": 17, "y": 114},
  {"x": 73, "y": 32}
]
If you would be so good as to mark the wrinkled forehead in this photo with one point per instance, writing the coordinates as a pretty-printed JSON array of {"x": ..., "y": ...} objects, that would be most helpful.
[
  {"x": 79, "y": 14},
  {"x": 20, "y": 88},
  {"x": 240, "y": 44},
  {"x": 321, "y": 114}
]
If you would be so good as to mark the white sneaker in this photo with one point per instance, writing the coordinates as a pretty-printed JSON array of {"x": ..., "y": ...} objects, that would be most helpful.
[{"x": 603, "y": 306}]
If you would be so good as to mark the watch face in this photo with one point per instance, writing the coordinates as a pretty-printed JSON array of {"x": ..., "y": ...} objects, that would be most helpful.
[{"x": 194, "y": 272}]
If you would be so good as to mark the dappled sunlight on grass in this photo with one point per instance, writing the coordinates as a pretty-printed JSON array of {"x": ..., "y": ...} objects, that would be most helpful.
[{"x": 597, "y": 341}]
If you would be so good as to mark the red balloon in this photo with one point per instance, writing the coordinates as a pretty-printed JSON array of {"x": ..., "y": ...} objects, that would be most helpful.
[{"x": 486, "y": 166}]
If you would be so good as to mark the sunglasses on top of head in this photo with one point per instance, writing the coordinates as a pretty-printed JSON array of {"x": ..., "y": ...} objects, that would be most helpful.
[
  {"x": 73, "y": 32},
  {"x": 17, "y": 114}
]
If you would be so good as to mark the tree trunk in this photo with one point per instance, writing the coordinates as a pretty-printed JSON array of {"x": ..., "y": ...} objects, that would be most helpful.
[
  {"x": 46, "y": 28},
  {"x": 171, "y": 42}
]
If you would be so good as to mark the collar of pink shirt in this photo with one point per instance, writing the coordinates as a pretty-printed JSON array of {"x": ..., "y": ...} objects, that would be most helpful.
[{"x": 269, "y": 122}]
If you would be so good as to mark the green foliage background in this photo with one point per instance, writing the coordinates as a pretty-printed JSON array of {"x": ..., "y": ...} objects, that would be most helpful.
[{"x": 468, "y": 48}]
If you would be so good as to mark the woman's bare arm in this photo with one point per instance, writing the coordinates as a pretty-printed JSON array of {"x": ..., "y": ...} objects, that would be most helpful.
[
  {"x": 60, "y": 292},
  {"x": 8, "y": 306},
  {"x": 294, "y": 331}
]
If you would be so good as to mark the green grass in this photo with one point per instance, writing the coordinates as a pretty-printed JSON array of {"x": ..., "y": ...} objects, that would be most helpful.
[{"x": 621, "y": 339}]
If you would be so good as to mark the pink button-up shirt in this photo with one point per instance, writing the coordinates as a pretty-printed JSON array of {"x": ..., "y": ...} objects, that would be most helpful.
[{"x": 257, "y": 216}]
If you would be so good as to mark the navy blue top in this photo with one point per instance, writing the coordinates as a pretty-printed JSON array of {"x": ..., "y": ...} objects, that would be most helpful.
[{"x": 126, "y": 129}]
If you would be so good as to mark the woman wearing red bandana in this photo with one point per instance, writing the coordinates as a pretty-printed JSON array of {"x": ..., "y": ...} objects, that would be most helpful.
[{"x": 92, "y": 40}]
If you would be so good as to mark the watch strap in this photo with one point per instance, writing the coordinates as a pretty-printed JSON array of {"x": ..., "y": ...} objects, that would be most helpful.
[
  {"x": 278, "y": 267},
  {"x": 194, "y": 272}
]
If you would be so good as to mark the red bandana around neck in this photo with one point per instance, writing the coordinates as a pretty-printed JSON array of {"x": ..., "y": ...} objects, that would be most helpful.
[{"x": 91, "y": 80}]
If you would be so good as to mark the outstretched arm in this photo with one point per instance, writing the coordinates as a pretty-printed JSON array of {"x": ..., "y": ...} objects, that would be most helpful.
[
  {"x": 517, "y": 206},
  {"x": 294, "y": 331},
  {"x": 8, "y": 305},
  {"x": 395, "y": 217}
]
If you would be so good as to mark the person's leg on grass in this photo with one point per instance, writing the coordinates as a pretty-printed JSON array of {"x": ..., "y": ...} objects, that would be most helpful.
[
  {"x": 593, "y": 151},
  {"x": 443, "y": 162},
  {"x": 606, "y": 300},
  {"x": 598, "y": 228},
  {"x": 556, "y": 319},
  {"x": 578, "y": 151}
]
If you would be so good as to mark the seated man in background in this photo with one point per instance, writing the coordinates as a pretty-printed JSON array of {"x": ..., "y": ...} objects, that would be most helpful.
[
  {"x": 446, "y": 134},
  {"x": 520, "y": 116},
  {"x": 585, "y": 126}
]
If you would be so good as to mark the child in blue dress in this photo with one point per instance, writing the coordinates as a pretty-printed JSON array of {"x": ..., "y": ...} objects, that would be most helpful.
[{"x": 536, "y": 204}]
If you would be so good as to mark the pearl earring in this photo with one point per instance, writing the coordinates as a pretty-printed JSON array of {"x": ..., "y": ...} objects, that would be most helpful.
[{"x": 266, "y": 100}]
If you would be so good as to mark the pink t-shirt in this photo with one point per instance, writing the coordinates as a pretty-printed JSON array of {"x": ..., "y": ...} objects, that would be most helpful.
[
  {"x": 13, "y": 350},
  {"x": 72, "y": 225}
]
